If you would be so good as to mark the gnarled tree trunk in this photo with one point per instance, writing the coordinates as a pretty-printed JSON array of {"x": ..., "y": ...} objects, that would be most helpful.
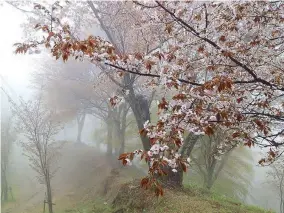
[{"x": 172, "y": 179}]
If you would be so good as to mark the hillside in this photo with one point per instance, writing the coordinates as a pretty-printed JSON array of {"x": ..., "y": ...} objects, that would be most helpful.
[{"x": 88, "y": 183}]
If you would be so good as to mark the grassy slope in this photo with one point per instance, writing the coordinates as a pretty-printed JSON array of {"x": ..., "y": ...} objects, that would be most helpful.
[
  {"x": 80, "y": 187},
  {"x": 132, "y": 199},
  {"x": 190, "y": 199}
]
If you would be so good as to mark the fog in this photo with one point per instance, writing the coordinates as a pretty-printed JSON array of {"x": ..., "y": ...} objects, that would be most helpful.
[{"x": 86, "y": 164}]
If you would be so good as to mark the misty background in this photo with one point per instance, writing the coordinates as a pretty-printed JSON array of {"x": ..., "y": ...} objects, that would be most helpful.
[{"x": 16, "y": 77}]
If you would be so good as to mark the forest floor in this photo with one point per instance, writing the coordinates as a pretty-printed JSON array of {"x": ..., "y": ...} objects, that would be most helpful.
[{"x": 88, "y": 183}]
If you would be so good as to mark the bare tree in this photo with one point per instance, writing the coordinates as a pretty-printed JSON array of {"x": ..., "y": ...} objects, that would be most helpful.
[
  {"x": 277, "y": 177},
  {"x": 38, "y": 125}
]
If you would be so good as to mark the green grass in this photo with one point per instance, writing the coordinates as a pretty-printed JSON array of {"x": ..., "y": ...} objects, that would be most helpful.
[
  {"x": 228, "y": 204},
  {"x": 132, "y": 199},
  {"x": 90, "y": 207},
  {"x": 190, "y": 199}
]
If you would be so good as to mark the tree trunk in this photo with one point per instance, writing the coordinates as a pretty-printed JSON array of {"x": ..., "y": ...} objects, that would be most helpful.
[
  {"x": 189, "y": 144},
  {"x": 49, "y": 193},
  {"x": 4, "y": 186},
  {"x": 80, "y": 122},
  {"x": 172, "y": 179},
  {"x": 209, "y": 181},
  {"x": 122, "y": 142},
  {"x": 140, "y": 108},
  {"x": 109, "y": 137},
  {"x": 123, "y": 129},
  {"x": 210, "y": 173}
]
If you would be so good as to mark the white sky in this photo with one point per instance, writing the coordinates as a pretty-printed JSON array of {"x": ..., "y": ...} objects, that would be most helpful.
[{"x": 15, "y": 69}]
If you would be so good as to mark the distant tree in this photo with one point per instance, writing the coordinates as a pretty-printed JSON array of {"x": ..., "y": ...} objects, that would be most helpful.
[
  {"x": 276, "y": 175},
  {"x": 66, "y": 87},
  {"x": 235, "y": 179},
  {"x": 208, "y": 159},
  {"x": 8, "y": 137},
  {"x": 232, "y": 168},
  {"x": 39, "y": 126}
]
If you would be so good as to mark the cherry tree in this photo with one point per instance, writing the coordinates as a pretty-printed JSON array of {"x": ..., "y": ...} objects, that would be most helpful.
[{"x": 222, "y": 61}]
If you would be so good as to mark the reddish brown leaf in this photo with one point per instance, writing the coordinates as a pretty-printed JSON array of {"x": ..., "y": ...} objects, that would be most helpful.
[
  {"x": 124, "y": 162},
  {"x": 122, "y": 156},
  {"x": 131, "y": 156},
  {"x": 261, "y": 161},
  {"x": 183, "y": 166},
  {"x": 201, "y": 49},
  {"x": 259, "y": 123},
  {"x": 209, "y": 130},
  {"x": 143, "y": 132},
  {"x": 83, "y": 47},
  {"x": 222, "y": 38},
  {"x": 257, "y": 19},
  {"x": 272, "y": 153},
  {"x": 236, "y": 134},
  {"x": 65, "y": 57},
  {"x": 227, "y": 53},
  {"x": 163, "y": 104},
  {"x": 138, "y": 56},
  {"x": 239, "y": 100},
  {"x": 179, "y": 97},
  {"x": 248, "y": 143},
  {"x": 144, "y": 182},
  {"x": 211, "y": 67}
]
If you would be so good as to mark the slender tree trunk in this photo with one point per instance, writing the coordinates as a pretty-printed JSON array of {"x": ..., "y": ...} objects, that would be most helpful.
[
  {"x": 123, "y": 129},
  {"x": 4, "y": 186},
  {"x": 49, "y": 193},
  {"x": 109, "y": 137},
  {"x": 210, "y": 173},
  {"x": 80, "y": 122},
  {"x": 122, "y": 142},
  {"x": 209, "y": 179}
]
